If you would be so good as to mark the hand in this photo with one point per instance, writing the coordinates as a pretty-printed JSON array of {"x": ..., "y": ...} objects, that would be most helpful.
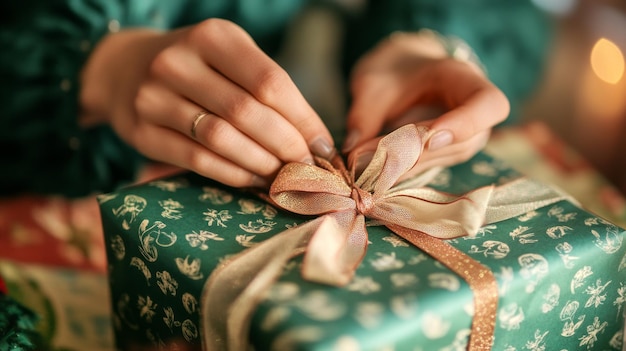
[
  {"x": 150, "y": 85},
  {"x": 409, "y": 78}
]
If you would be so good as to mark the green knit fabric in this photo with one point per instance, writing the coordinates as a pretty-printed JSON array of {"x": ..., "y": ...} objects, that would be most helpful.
[{"x": 17, "y": 326}]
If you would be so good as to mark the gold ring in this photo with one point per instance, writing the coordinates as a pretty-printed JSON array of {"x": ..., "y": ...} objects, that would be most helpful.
[{"x": 196, "y": 119}]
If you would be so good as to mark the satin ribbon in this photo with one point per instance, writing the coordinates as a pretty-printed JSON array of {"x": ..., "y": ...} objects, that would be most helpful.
[{"x": 334, "y": 243}]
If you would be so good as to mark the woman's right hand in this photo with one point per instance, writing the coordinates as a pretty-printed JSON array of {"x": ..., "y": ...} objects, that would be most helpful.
[
  {"x": 410, "y": 78},
  {"x": 151, "y": 87}
]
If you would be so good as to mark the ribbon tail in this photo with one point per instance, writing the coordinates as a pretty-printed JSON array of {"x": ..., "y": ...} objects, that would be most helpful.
[
  {"x": 336, "y": 249},
  {"x": 481, "y": 281},
  {"x": 521, "y": 196},
  {"x": 440, "y": 215},
  {"x": 235, "y": 288}
]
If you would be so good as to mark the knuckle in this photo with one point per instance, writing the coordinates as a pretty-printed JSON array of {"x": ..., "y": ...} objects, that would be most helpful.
[
  {"x": 196, "y": 161},
  {"x": 269, "y": 166},
  {"x": 216, "y": 131},
  {"x": 290, "y": 148},
  {"x": 241, "y": 108},
  {"x": 166, "y": 63},
  {"x": 206, "y": 31},
  {"x": 311, "y": 124},
  {"x": 144, "y": 100},
  {"x": 212, "y": 31},
  {"x": 270, "y": 82}
]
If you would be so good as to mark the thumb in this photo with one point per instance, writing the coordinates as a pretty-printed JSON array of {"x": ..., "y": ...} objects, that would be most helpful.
[{"x": 368, "y": 113}]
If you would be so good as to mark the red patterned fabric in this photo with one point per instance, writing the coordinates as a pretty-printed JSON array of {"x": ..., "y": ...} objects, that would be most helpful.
[
  {"x": 57, "y": 232},
  {"x": 52, "y": 232}
]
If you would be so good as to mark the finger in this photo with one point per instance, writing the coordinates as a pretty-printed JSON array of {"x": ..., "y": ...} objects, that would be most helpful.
[
  {"x": 166, "y": 145},
  {"x": 483, "y": 110},
  {"x": 164, "y": 108},
  {"x": 264, "y": 79},
  {"x": 381, "y": 96},
  {"x": 224, "y": 139},
  {"x": 210, "y": 89},
  {"x": 450, "y": 155},
  {"x": 474, "y": 103},
  {"x": 372, "y": 97},
  {"x": 419, "y": 114}
]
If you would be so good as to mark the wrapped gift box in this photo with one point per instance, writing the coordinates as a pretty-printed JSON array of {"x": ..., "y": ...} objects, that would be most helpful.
[{"x": 560, "y": 270}]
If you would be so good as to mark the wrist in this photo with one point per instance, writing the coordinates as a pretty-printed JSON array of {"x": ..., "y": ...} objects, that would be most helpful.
[{"x": 437, "y": 45}]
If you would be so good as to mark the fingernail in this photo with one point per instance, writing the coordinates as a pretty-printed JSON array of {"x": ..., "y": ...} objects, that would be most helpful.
[
  {"x": 308, "y": 160},
  {"x": 351, "y": 140},
  {"x": 322, "y": 148},
  {"x": 440, "y": 139}
]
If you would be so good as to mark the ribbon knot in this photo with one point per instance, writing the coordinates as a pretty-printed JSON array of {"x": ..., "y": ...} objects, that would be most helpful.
[{"x": 364, "y": 201}]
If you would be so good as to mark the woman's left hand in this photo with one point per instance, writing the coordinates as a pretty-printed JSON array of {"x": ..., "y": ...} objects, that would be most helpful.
[{"x": 409, "y": 78}]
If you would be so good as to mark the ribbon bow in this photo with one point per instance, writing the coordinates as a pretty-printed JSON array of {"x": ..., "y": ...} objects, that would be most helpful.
[
  {"x": 334, "y": 243},
  {"x": 330, "y": 190}
]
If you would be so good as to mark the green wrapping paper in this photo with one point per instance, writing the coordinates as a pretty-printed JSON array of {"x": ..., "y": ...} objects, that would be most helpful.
[{"x": 561, "y": 273}]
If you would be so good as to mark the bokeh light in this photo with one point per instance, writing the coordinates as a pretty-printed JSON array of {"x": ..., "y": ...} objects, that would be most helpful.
[{"x": 607, "y": 61}]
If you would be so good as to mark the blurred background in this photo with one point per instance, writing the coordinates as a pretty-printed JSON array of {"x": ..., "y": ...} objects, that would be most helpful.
[{"x": 583, "y": 94}]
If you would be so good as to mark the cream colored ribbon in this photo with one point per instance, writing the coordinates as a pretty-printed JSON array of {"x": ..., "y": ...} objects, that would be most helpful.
[{"x": 334, "y": 243}]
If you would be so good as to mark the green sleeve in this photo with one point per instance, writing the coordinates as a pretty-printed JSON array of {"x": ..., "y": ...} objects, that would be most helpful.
[
  {"x": 44, "y": 46},
  {"x": 17, "y": 326},
  {"x": 43, "y": 150},
  {"x": 510, "y": 37}
]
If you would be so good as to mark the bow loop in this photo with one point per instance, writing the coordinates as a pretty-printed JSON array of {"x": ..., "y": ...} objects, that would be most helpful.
[
  {"x": 396, "y": 154},
  {"x": 310, "y": 190}
]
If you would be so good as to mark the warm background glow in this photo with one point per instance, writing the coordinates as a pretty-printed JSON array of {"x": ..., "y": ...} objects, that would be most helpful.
[
  {"x": 583, "y": 95},
  {"x": 607, "y": 61}
]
